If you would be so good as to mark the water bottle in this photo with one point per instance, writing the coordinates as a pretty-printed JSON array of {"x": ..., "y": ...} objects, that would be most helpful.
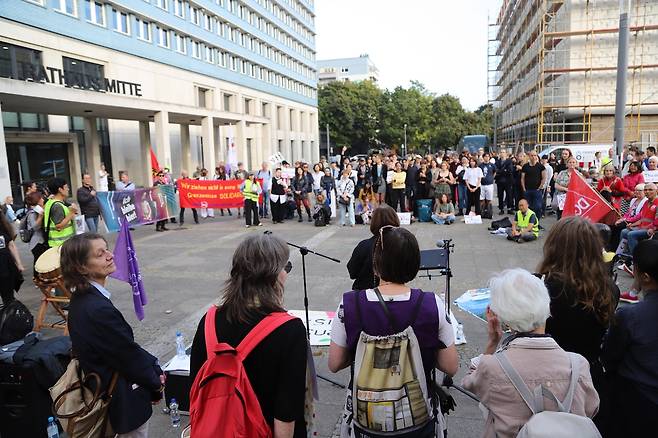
[
  {"x": 180, "y": 345},
  {"x": 52, "y": 431},
  {"x": 174, "y": 414}
]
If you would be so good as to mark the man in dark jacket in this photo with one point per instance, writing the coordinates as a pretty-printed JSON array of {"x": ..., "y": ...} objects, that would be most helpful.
[
  {"x": 89, "y": 205},
  {"x": 504, "y": 183}
]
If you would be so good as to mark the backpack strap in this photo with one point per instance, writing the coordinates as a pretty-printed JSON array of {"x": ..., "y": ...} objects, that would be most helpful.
[
  {"x": 210, "y": 332},
  {"x": 528, "y": 396},
  {"x": 416, "y": 311},
  {"x": 388, "y": 314},
  {"x": 262, "y": 330},
  {"x": 564, "y": 406}
]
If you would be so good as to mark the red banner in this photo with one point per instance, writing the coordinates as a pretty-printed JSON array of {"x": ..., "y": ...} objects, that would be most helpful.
[
  {"x": 582, "y": 200},
  {"x": 210, "y": 194}
]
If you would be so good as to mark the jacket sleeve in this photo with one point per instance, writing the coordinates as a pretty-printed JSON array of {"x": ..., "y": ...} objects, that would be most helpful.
[
  {"x": 116, "y": 345},
  {"x": 83, "y": 195},
  {"x": 354, "y": 264},
  {"x": 615, "y": 342}
]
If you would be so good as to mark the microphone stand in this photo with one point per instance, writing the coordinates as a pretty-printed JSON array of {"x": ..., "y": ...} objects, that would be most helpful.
[
  {"x": 304, "y": 252},
  {"x": 447, "y": 246}
]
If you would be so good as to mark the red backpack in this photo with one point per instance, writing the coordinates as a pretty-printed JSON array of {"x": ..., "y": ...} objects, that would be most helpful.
[{"x": 222, "y": 401}]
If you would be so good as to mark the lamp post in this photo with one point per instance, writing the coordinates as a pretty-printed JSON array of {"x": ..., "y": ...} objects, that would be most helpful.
[
  {"x": 622, "y": 72},
  {"x": 404, "y": 149}
]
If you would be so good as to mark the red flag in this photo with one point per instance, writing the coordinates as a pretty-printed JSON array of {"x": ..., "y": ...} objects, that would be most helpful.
[
  {"x": 155, "y": 166},
  {"x": 582, "y": 200}
]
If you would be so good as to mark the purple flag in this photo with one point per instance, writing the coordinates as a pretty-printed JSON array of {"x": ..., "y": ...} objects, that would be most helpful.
[{"x": 125, "y": 260}]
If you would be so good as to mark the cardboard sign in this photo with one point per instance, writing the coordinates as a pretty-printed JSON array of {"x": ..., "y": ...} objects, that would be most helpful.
[
  {"x": 276, "y": 158},
  {"x": 320, "y": 325},
  {"x": 405, "y": 218},
  {"x": 473, "y": 219}
]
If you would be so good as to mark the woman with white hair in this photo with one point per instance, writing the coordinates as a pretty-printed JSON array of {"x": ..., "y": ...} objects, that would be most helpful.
[{"x": 520, "y": 302}]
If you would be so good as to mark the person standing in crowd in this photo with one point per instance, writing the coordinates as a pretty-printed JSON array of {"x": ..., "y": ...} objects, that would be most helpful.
[
  {"x": 362, "y": 174},
  {"x": 651, "y": 173},
  {"x": 562, "y": 183},
  {"x": 398, "y": 188},
  {"x": 335, "y": 170},
  {"x": 611, "y": 187},
  {"x": 103, "y": 183},
  {"x": 264, "y": 175},
  {"x": 632, "y": 179},
  {"x": 103, "y": 341},
  {"x": 487, "y": 185},
  {"x": 9, "y": 212},
  {"x": 345, "y": 198},
  {"x": 423, "y": 181},
  {"x": 240, "y": 175},
  {"x": 88, "y": 203},
  {"x": 29, "y": 187},
  {"x": 378, "y": 175},
  {"x": 277, "y": 367},
  {"x": 310, "y": 181},
  {"x": 651, "y": 152},
  {"x": 181, "y": 215},
  {"x": 158, "y": 181},
  {"x": 251, "y": 191},
  {"x": 396, "y": 261},
  {"x": 630, "y": 352},
  {"x": 473, "y": 177},
  {"x": 503, "y": 180},
  {"x": 597, "y": 163},
  {"x": 124, "y": 182},
  {"x": 583, "y": 299},
  {"x": 411, "y": 172},
  {"x": 11, "y": 266},
  {"x": 278, "y": 198},
  {"x": 444, "y": 211},
  {"x": 222, "y": 176},
  {"x": 34, "y": 203},
  {"x": 327, "y": 185},
  {"x": 58, "y": 217},
  {"x": 301, "y": 189},
  {"x": 462, "y": 187},
  {"x": 533, "y": 177},
  {"x": 525, "y": 226},
  {"x": 632, "y": 215},
  {"x": 207, "y": 212},
  {"x": 360, "y": 264},
  {"x": 317, "y": 175},
  {"x": 520, "y": 302}
]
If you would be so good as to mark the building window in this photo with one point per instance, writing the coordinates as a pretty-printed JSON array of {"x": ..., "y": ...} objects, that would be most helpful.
[
  {"x": 195, "y": 16},
  {"x": 202, "y": 94},
  {"x": 66, "y": 6},
  {"x": 207, "y": 22},
  {"x": 247, "y": 106},
  {"x": 83, "y": 74},
  {"x": 120, "y": 21},
  {"x": 179, "y": 8},
  {"x": 221, "y": 58},
  {"x": 227, "y": 102},
  {"x": 181, "y": 43},
  {"x": 20, "y": 63},
  {"x": 162, "y": 37},
  {"x": 209, "y": 54},
  {"x": 162, "y": 4},
  {"x": 94, "y": 12},
  {"x": 196, "y": 49},
  {"x": 24, "y": 121},
  {"x": 143, "y": 29},
  {"x": 234, "y": 63}
]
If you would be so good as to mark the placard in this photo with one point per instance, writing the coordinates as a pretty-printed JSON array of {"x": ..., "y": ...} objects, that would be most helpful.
[
  {"x": 405, "y": 218},
  {"x": 473, "y": 219},
  {"x": 137, "y": 207},
  {"x": 320, "y": 325}
]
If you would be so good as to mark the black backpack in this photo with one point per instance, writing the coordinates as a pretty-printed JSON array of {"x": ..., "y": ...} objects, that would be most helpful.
[
  {"x": 16, "y": 321},
  {"x": 24, "y": 229}
]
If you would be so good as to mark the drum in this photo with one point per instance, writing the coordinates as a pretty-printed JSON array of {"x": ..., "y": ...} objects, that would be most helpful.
[
  {"x": 47, "y": 266},
  {"x": 187, "y": 432}
]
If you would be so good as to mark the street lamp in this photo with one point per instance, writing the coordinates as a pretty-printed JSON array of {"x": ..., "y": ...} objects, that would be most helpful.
[{"x": 404, "y": 148}]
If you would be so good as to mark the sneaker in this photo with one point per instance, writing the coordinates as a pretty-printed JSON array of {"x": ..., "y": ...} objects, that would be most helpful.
[
  {"x": 247, "y": 226},
  {"x": 260, "y": 224},
  {"x": 629, "y": 297},
  {"x": 628, "y": 269}
]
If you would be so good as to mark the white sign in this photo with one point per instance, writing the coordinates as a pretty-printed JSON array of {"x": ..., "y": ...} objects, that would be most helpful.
[
  {"x": 650, "y": 176},
  {"x": 276, "y": 158},
  {"x": 473, "y": 219},
  {"x": 405, "y": 218},
  {"x": 288, "y": 172},
  {"x": 320, "y": 325}
]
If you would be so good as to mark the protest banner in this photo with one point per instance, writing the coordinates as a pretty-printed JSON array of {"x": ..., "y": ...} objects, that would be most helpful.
[
  {"x": 212, "y": 194},
  {"x": 137, "y": 207},
  {"x": 582, "y": 200},
  {"x": 320, "y": 325}
]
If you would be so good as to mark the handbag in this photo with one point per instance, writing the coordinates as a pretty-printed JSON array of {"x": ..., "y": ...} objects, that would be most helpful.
[
  {"x": 343, "y": 201},
  {"x": 85, "y": 410}
]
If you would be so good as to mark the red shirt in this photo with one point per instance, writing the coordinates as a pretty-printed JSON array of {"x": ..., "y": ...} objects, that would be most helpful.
[{"x": 648, "y": 214}]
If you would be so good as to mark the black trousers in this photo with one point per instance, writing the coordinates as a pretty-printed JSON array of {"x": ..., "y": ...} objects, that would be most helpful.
[
  {"x": 635, "y": 414},
  {"x": 474, "y": 200},
  {"x": 505, "y": 196},
  {"x": 36, "y": 253},
  {"x": 397, "y": 197},
  {"x": 251, "y": 208},
  {"x": 181, "y": 216},
  {"x": 161, "y": 224},
  {"x": 278, "y": 211}
]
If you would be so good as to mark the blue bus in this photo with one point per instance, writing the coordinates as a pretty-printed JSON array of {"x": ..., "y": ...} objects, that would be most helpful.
[{"x": 474, "y": 143}]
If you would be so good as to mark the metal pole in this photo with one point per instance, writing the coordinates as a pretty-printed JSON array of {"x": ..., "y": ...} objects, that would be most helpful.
[
  {"x": 329, "y": 148},
  {"x": 622, "y": 72},
  {"x": 404, "y": 149},
  {"x": 495, "y": 127}
]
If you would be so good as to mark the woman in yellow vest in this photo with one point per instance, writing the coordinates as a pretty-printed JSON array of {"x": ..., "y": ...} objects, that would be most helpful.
[
  {"x": 251, "y": 189},
  {"x": 58, "y": 218},
  {"x": 525, "y": 227}
]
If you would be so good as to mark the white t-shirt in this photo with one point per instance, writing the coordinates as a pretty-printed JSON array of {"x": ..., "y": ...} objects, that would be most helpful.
[
  {"x": 339, "y": 335},
  {"x": 472, "y": 174}
]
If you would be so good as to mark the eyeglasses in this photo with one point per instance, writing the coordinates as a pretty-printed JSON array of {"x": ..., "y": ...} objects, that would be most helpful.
[{"x": 288, "y": 267}]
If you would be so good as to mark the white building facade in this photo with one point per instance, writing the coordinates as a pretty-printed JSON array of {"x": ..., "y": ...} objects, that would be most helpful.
[
  {"x": 347, "y": 70},
  {"x": 85, "y": 82}
]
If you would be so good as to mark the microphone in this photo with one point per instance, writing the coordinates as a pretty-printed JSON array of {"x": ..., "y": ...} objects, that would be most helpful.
[{"x": 440, "y": 243}]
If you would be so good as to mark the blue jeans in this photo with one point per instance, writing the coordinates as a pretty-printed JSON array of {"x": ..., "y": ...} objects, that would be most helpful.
[
  {"x": 440, "y": 221},
  {"x": 462, "y": 193},
  {"x": 349, "y": 209},
  {"x": 534, "y": 198},
  {"x": 633, "y": 238},
  {"x": 262, "y": 208},
  {"x": 92, "y": 224}
]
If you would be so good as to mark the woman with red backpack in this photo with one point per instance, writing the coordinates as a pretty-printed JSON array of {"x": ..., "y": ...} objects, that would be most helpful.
[{"x": 250, "y": 333}]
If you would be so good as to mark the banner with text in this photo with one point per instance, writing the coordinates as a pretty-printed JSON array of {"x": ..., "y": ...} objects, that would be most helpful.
[
  {"x": 210, "y": 194},
  {"x": 137, "y": 207}
]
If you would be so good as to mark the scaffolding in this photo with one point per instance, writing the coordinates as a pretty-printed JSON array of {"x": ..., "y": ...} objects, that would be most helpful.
[{"x": 552, "y": 67}]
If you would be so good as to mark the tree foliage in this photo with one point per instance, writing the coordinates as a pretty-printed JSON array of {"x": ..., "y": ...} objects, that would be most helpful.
[{"x": 362, "y": 115}]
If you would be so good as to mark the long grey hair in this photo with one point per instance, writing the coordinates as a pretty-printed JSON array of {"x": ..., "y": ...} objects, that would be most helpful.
[{"x": 254, "y": 289}]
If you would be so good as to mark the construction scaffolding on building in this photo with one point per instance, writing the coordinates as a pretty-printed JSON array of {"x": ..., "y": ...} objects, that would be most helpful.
[{"x": 552, "y": 70}]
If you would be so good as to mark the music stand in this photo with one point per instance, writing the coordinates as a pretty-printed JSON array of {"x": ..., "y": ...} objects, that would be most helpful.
[{"x": 438, "y": 260}]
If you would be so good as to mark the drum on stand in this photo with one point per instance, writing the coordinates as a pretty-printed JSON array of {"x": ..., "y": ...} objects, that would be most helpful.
[{"x": 50, "y": 282}]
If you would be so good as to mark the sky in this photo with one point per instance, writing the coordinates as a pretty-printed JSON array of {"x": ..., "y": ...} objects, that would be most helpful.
[{"x": 441, "y": 43}]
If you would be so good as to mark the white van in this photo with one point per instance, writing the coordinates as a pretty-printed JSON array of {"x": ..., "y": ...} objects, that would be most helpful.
[{"x": 584, "y": 153}]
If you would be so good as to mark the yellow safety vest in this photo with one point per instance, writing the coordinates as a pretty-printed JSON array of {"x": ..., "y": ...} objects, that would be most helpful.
[
  {"x": 57, "y": 237},
  {"x": 248, "y": 193},
  {"x": 522, "y": 222}
]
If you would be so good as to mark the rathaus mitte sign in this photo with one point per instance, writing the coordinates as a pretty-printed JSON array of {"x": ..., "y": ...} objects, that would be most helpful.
[{"x": 53, "y": 75}]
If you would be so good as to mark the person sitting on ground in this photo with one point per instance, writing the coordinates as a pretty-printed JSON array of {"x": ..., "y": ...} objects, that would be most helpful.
[
  {"x": 630, "y": 351},
  {"x": 396, "y": 260},
  {"x": 321, "y": 212},
  {"x": 520, "y": 302},
  {"x": 365, "y": 202},
  {"x": 276, "y": 368},
  {"x": 444, "y": 211},
  {"x": 360, "y": 264},
  {"x": 525, "y": 226}
]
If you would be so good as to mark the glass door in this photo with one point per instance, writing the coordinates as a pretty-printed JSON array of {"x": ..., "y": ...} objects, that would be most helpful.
[{"x": 36, "y": 162}]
